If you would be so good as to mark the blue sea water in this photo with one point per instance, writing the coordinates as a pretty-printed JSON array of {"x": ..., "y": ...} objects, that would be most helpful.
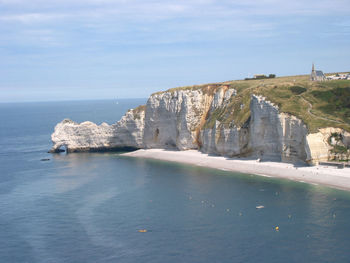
[{"x": 89, "y": 207}]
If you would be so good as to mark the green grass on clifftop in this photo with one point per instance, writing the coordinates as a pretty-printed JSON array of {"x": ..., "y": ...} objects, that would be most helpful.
[{"x": 318, "y": 104}]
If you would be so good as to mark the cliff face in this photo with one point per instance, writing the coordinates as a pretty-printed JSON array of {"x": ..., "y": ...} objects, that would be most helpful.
[
  {"x": 188, "y": 119},
  {"x": 172, "y": 119},
  {"x": 87, "y": 136},
  {"x": 328, "y": 144},
  {"x": 268, "y": 135}
]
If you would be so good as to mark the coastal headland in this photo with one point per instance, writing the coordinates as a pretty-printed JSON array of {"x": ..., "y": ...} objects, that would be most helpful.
[{"x": 286, "y": 120}]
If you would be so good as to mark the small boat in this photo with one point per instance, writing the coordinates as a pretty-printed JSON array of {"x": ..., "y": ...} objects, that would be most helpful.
[{"x": 260, "y": 207}]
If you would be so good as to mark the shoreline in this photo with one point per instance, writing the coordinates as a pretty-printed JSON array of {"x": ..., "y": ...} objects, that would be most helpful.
[{"x": 322, "y": 175}]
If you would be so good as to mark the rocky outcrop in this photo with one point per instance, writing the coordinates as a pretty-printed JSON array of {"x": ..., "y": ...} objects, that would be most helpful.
[
  {"x": 81, "y": 137},
  {"x": 172, "y": 119},
  {"x": 267, "y": 135},
  {"x": 225, "y": 141},
  {"x": 87, "y": 136},
  {"x": 275, "y": 135},
  {"x": 204, "y": 118},
  {"x": 175, "y": 119},
  {"x": 328, "y": 144}
]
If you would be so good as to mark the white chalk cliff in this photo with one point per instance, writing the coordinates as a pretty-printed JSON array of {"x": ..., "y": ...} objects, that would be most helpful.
[
  {"x": 185, "y": 119},
  {"x": 87, "y": 136}
]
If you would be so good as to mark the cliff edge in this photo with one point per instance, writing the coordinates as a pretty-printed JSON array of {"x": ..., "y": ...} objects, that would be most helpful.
[{"x": 230, "y": 119}]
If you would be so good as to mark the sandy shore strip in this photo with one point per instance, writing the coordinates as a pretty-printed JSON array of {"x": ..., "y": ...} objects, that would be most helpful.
[{"x": 325, "y": 175}]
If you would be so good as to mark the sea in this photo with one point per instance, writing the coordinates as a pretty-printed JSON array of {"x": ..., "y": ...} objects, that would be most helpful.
[{"x": 104, "y": 207}]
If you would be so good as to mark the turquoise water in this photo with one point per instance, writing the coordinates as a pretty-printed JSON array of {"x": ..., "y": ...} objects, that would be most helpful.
[{"x": 90, "y": 207}]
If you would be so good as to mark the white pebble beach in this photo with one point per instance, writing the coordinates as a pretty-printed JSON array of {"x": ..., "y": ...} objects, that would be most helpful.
[{"x": 323, "y": 175}]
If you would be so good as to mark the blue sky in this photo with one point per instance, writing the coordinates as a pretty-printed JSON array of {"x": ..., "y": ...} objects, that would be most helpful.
[{"x": 95, "y": 49}]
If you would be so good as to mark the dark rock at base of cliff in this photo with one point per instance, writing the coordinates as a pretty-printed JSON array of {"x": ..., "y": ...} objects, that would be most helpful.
[{"x": 99, "y": 149}]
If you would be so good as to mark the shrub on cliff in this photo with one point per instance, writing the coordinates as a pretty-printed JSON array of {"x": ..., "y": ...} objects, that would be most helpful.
[{"x": 297, "y": 90}]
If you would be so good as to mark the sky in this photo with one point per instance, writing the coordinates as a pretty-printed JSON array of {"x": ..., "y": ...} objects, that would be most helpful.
[{"x": 109, "y": 49}]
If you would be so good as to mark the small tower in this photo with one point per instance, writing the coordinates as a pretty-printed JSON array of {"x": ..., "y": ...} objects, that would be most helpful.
[{"x": 313, "y": 73}]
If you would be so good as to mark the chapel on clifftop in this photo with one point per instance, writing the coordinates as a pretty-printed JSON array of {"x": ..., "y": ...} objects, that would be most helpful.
[{"x": 316, "y": 75}]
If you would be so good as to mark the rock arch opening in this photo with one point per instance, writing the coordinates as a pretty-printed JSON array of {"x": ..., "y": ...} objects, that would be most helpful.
[{"x": 62, "y": 149}]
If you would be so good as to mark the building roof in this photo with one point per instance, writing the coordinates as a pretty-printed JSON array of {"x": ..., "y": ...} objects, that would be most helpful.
[{"x": 319, "y": 73}]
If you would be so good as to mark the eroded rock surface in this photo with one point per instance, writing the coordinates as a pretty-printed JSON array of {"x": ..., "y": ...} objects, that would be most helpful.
[
  {"x": 87, "y": 136},
  {"x": 322, "y": 147},
  {"x": 268, "y": 135},
  {"x": 186, "y": 119}
]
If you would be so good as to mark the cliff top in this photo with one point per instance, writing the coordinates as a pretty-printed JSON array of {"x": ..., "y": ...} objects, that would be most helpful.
[{"x": 318, "y": 104}]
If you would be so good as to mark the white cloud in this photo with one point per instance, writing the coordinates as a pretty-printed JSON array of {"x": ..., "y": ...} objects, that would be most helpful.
[
  {"x": 155, "y": 21},
  {"x": 23, "y": 9},
  {"x": 28, "y": 18}
]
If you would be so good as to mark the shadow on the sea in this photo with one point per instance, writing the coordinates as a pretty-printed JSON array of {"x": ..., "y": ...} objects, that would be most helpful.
[{"x": 64, "y": 150}]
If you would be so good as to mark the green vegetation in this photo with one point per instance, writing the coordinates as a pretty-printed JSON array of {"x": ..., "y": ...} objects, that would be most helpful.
[
  {"x": 138, "y": 110},
  {"x": 318, "y": 104},
  {"x": 340, "y": 151},
  {"x": 209, "y": 88},
  {"x": 336, "y": 102},
  {"x": 237, "y": 111},
  {"x": 297, "y": 90},
  {"x": 313, "y": 101},
  {"x": 336, "y": 136}
]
